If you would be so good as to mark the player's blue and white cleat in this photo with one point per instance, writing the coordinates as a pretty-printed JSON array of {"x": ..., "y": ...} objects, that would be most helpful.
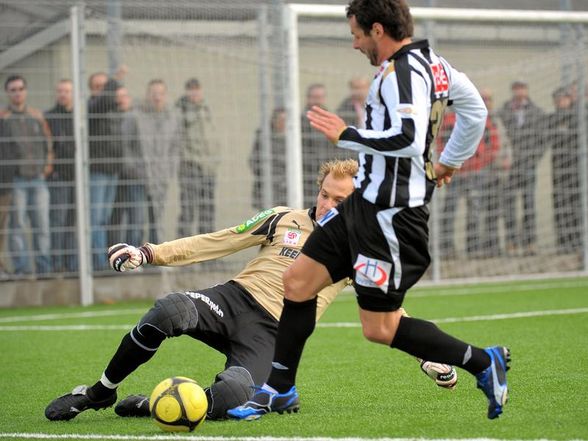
[
  {"x": 264, "y": 401},
  {"x": 492, "y": 380}
]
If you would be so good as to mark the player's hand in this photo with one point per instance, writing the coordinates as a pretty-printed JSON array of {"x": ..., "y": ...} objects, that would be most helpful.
[
  {"x": 326, "y": 122},
  {"x": 123, "y": 257},
  {"x": 443, "y": 174},
  {"x": 443, "y": 375}
]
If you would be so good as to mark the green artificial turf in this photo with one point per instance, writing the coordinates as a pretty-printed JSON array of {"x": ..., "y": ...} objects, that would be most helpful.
[{"x": 349, "y": 387}]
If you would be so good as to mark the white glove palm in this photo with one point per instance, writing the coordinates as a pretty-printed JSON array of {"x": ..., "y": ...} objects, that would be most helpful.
[
  {"x": 123, "y": 257},
  {"x": 442, "y": 374}
]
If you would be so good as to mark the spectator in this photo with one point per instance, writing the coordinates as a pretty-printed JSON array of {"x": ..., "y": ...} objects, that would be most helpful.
[
  {"x": 199, "y": 161},
  {"x": 96, "y": 83},
  {"x": 524, "y": 125},
  {"x": 562, "y": 126},
  {"x": 30, "y": 146},
  {"x": 315, "y": 148},
  {"x": 473, "y": 183},
  {"x": 105, "y": 158},
  {"x": 352, "y": 109},
  {"x": 7, "y": 170},
  {"x": 129, "y": 213},
  {"x": 498, "y": 172},
  {"x": 62, "y": 180},
  {"x": 277, "y": 163},
  {"x": 158, "y": 131}
]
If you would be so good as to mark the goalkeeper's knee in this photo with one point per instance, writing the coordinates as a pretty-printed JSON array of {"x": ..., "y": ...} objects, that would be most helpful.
[
  {"x": 171, "y": 316},
  {"x": 232, "y": 387}
]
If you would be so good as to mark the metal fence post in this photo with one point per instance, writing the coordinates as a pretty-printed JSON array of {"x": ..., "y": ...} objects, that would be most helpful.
[
  {"x": 582, "y": 139},
  {"x": 292, "y": 102},
  {"x": 81, "y": 158},
  {"x": 267, "y": 195}
]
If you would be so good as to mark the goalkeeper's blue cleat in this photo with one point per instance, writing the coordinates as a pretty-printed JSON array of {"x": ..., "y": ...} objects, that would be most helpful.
[
  {"x": 492, "y": 380},
  {"x": 264, "y": 401}
]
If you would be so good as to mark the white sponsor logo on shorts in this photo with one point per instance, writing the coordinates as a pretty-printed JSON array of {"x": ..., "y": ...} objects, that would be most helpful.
[
  {"x": 213, "y": 306},
  {"x": 372, "y": 273}
]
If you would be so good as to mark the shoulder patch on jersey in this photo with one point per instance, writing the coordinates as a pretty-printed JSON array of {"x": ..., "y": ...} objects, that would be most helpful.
[
  {"x": 250, "y": 223},
  {"x": 440, "y": 77}
]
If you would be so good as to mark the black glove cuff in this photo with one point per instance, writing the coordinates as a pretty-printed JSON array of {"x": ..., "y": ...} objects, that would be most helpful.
[{"x": 147, "y": 252}]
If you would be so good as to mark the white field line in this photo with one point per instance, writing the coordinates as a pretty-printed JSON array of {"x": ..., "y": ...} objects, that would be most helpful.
[
  {"x": 474, "y": 318},
  {"x": 87, "y": 314},
  {"x": 447, "y": 290},
  {"x": 91, "y": 436},
  {"x": 347, "y": 295}
]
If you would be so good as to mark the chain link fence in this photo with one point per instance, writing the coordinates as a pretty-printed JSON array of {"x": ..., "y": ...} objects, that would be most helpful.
[{"x": 183, "y": 118}]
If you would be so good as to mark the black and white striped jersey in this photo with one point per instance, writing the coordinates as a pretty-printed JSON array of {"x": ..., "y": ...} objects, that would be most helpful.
[{"x": 404, "y": 110}]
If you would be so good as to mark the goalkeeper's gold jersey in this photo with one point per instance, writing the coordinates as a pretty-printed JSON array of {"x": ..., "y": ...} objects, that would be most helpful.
[{"x": 280, "y": 232}]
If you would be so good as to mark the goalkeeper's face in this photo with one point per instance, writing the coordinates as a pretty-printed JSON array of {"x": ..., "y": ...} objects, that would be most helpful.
[{"x": 333, "y": 191}]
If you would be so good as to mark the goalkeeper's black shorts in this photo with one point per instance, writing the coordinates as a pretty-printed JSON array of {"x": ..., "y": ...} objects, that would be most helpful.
[
  {"x": 383, "y": 250},
  {"x": 232, "y": 322}
]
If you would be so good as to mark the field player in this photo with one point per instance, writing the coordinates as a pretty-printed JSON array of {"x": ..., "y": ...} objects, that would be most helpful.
[
  {"x": 238, "y": 318},
  {"x": 378, "y": 236}
]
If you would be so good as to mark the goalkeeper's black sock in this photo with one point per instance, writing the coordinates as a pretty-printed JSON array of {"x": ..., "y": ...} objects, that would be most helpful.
[
  {"x": 425, "y": 340},
  {"x": 135, "y": 349},
  {"x": 296, "y": 324}
]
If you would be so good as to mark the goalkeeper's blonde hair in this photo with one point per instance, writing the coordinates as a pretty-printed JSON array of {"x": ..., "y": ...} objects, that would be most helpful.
[{"x": 339, "y": 168}]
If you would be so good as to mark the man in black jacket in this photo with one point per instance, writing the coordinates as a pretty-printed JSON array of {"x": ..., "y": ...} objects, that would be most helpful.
[
  {"x": 523, "y": 121},
  {"x": 105, "y": 158},
  {"x": 61, "y": 181}
]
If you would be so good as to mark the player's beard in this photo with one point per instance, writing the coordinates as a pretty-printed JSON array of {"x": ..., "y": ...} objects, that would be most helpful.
[{"x": 372, "y": 55}]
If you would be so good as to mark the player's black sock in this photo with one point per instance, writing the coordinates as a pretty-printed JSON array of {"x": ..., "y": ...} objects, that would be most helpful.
[
  {"x": 296, "y": 324},
  {"x": 425, "y": 340},
  {"x": 135, "y": 349},
  {"x": 99, "y": 392}
]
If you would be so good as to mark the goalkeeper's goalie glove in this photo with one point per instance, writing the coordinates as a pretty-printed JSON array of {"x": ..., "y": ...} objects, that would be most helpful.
[
  {"x": 443, "y": 375},
  {"x": 123, "y": 257}
]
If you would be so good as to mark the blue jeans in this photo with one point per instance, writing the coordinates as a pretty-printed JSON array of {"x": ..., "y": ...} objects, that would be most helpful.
[
  {"x": 102, "y": 194},
  {"x": 30, "y": 199},
  {"x": 62, "y": 219},
  {"x": 196, "y": 196},
  {"x": 129, "y": 217}
]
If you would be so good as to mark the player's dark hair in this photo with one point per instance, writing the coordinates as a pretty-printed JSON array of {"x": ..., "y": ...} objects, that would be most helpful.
[
  {"x": 192, "y": 83},
  {"x": 12, "y": 78},
  {"x": 393, "y": 15}
]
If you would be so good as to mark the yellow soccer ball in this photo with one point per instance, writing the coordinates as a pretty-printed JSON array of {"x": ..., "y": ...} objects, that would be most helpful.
[{"x": 178, "y": 404}]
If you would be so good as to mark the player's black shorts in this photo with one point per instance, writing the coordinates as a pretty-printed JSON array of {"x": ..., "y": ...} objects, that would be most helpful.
[
  {"x": 232, "y": 322},
  {"x": 383, "y": 250}
]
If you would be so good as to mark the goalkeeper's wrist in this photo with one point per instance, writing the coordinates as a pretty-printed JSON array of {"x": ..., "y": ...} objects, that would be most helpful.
[{"x": 147, "y": 252}]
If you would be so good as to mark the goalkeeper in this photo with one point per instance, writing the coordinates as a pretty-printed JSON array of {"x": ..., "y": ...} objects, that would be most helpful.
[{"x": 238, "y": 318}]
